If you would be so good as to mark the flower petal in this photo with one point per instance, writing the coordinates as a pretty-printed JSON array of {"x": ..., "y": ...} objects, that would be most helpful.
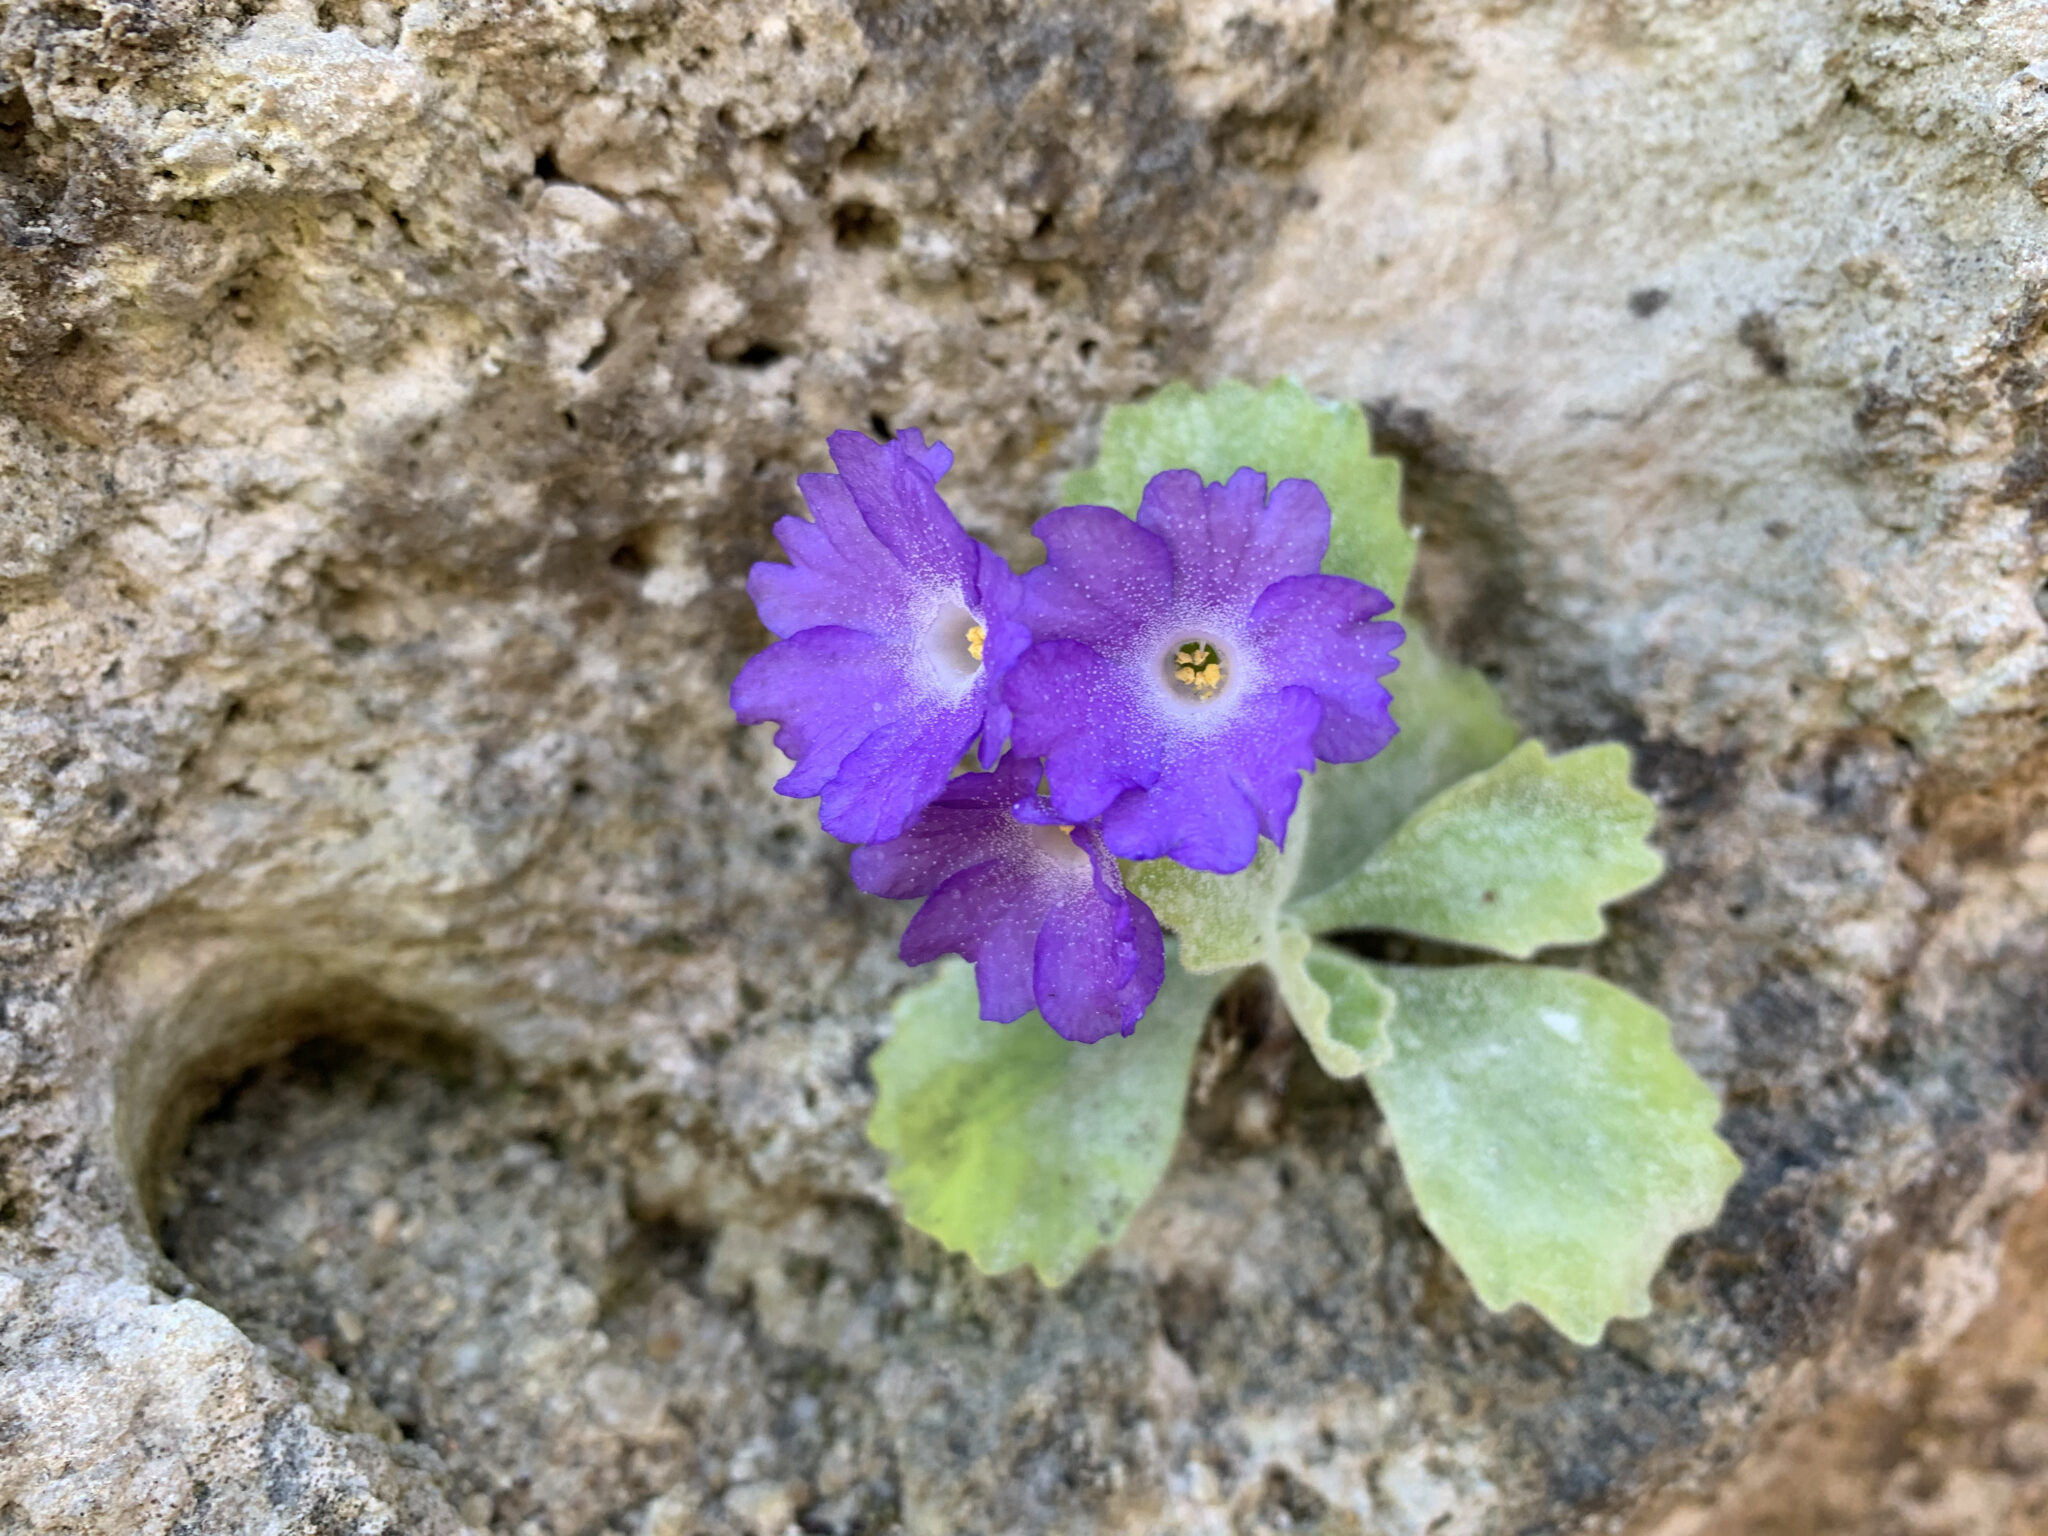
[
  {"x": 954, "y": 832},
  {"x": 1078, "y": 712},
  {"x": 1092, "y": 962},
  {"x": 985, "y": 904},
  {"x": 1317, "y": 632},
  {"x": 988, "y": 913},
  {"x": 1103, "y": 577},
  {"x": 936, "y": 458},
  {"x": 897, "y": 770},
  {"x": 1214, "y": 797},
  {"x": 899, "y": 500},
  {"x": 825, "y": 685},
  {"x": 839, "y": 572},
  {"x": 1231, "y": 541}
]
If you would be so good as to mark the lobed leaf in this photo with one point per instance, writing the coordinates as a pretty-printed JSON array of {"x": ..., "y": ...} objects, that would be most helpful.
[
  {"x": 1282, "y": 430},
  {"x": 1555, "y": 1143},
  {"x": 1512, "y": 859},
  {"x": 1014, "y": 1146},
  {"x": 1337, "y": 1005}
]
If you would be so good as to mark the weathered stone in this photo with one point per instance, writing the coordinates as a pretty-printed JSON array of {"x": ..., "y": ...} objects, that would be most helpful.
[{"x": 391, "y": 403}]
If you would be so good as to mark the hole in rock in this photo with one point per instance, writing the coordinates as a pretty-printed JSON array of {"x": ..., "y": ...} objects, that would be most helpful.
[
  {"x": 15, "y": 121},
  {"x": 859, "y": 226},
  {"x": 384, "y": 1204},
  {"x": 753, "y": 354},
  {"x": 1759, "y": 333},
  {"x": 1255, "y": 1083}
]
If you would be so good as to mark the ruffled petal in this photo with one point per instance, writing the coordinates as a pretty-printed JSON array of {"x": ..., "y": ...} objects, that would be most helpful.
[
  {"x": 990, "y": 915},
  {"x": 1079, "y": 712},
  {"x": 963, "y": 825},
  {"x": 840, "y": 572},
  {"x": 936, "y": 458},
  {"x": 1231, "y": 541},
  {"x": 1096, "y": 965},
  {"x": 897, "y": 770},
  {"x": 1204, "y": 823},
  {"x": 1318, "y": 632},
  {"x": 964, "y": 853},
  {"x": 825, "y": 685},
  {"x": 1104, "y": 577},
  {"x": 1214, "y": 797},
  {"x": 1270, "y": 752},
  {"x": 899, "y": 500}
]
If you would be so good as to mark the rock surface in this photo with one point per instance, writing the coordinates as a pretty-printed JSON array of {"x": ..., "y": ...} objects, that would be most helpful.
[{"x": 431, "y": 1069}]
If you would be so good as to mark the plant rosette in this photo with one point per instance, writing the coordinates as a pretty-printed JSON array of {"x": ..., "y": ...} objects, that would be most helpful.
[{"x": 1555, "y": 1143}]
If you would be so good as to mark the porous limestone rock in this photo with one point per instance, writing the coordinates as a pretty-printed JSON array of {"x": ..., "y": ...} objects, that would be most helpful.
[{"x": 432, "y": 1061}]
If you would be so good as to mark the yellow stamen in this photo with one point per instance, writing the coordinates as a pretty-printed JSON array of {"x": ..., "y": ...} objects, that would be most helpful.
[
  {"x": 977, "y": 637},
  {"x": 1068, "y": 828},
  {"x": 1198, "y": 668}
]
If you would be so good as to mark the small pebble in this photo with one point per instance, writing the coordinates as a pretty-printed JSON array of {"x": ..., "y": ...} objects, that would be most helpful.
[
  {"x": 348, "y": 1325},
  {"x": 384, "y": 1218},
  {"x": 764, "y": 1508},
  {"x": 664, "y": 1346},
  {"x": 1256, "y": 1121},
  {"x": 2024, "y": 1446}
]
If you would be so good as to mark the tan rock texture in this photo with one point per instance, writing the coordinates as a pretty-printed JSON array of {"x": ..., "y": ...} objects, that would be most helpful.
[{"x": 432, "y": 1064}]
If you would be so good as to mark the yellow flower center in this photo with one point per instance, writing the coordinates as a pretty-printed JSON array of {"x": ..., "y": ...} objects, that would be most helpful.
[
  {"x": 977, "y": 637},
  {"x": 1198, "y": 667}
]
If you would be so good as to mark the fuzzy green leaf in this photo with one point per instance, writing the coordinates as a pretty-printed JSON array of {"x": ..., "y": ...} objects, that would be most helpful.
[
  {"x": 1452, "y": 724},
  {"x": 1340, "y": 1010},
  {"x": 1014, "y": 1146},
  {"x": 1512, "y": 859},
  {"x": 1282, "y": 430},
  {"x": 1222, "y": 921},
  {"x": 1556, "y": 1144}
]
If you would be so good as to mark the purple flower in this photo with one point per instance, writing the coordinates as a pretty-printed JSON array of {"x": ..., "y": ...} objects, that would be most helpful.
[
  {"x": 1040, "y": 909},
  {"x": 897, "y": 629},
  {"x": 1188, "y": 666}
]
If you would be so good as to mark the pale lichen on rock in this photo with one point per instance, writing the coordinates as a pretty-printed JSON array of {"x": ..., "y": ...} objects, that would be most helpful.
[{"x": 391, "y": 403}]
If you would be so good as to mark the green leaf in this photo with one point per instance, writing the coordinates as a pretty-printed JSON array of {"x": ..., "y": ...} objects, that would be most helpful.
[
  {"x": 1281, "y": 429},
  {"x": 1452, "y": 724},
  {"x": 1340, "y": 1010},
  {"x": 1222, "y": 921},
  {"x": 1520, "y": 856},
  {"x": 1014, "y": 1146},
  {"x": 1554, "y": 1141}
]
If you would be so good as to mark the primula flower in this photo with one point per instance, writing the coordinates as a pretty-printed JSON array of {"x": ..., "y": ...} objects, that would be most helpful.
[
  {"x": 896, "y": 630},
  {"x": 1041, "y": 910},
  {"x": 1188, "y": 666}
]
